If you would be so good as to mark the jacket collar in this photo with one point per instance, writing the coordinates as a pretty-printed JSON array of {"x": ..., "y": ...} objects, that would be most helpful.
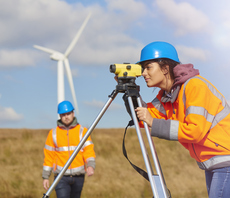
[
  {"x": 182, "y": 73},
  {"x": 72, "y": 125}
]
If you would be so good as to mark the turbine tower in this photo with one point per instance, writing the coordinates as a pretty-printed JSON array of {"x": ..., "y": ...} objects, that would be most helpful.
[{"x": 63, "y": 59}]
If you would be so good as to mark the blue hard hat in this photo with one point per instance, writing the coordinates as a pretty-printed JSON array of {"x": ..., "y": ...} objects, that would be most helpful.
[
  {"x": 65, "y": 107},
  {"x": 157, "y": 50}
]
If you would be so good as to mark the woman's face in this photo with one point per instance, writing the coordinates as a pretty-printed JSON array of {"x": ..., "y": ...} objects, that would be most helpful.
[{"x": 154, "y": 76}]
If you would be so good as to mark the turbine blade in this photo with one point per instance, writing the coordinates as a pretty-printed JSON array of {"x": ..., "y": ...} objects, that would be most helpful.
[
  {"x": 72, "y": 44},
  {"x": 70, "y": 79},
  {"x": 50, "y": 51}
]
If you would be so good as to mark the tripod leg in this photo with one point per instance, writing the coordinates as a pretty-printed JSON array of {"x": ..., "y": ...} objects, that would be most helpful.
[
  {"x": 79, "y": 146},
  {"x": 143, "y": 149}
]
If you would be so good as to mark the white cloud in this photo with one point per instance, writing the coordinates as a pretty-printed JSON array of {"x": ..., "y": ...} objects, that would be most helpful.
[
  {"x": 100, "y": 104},
  {"x": 129, "y": 51},
  {"x": 22, "y": 21},
  {"x": 8, "y": 114},
  {"x": 222, "y": 31},
  {"x": 105, "y": 38},
  {"x": 16, "y": 58},
  {"x": 189, "y": 54},
  {"x": 185, "y": 17},
  {"x": 131, "y": 8},
  {"x": 54, "y": 23}
]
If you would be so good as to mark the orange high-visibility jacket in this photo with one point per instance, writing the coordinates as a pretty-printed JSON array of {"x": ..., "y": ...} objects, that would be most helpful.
[
  {"x": 60, "y": 145},
  {"x": 199, "y": 119}
]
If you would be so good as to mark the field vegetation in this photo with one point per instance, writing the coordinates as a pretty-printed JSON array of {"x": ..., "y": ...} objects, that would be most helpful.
[{"x": 21, "y": 160}]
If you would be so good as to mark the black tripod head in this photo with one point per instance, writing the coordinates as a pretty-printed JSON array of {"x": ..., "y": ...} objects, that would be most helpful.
[
  {"x": 126, "y": 83},
  {"x": 129, "y": 88}
]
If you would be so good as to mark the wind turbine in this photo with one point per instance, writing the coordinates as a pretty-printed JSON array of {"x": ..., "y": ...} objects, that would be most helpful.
[{"x": 63, "y": 58}]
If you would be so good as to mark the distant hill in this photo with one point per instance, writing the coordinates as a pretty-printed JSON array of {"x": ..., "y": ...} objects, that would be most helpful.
[{"x": 21, "y": 160}]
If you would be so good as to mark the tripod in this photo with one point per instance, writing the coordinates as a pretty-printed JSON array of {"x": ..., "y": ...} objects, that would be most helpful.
[{"x": 127, "y": 86}]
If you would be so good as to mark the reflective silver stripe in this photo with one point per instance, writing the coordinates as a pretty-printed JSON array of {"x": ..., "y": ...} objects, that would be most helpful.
[
  {"x": 157, "y": 104},
  {"x": 184, "y": 96},
  {"x": 174, "y": 126},
  {"x": 214, "y": 119},
  {"x": 221, "y": 115},
  {"x": 81, "y": 133},
  {"x": 81, "y": 136},
  {"x": 47, "y": 168},
  {"x": 54, "y": 134},
  {"x": 71, "y": 171},
  {"x": 72, "y": 148},
  {"x": 217, "y": 161},
  {"x": 90, "y": 159},
  {"x": 87, "y": 143},
  {"x": 199, "y": 111},
  {"x": 50, "y": 148},
  {"x": 66, "y": 148}
]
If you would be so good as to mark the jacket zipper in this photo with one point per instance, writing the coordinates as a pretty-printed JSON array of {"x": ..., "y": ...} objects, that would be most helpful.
[
  {"x": 69, "y": 150},
  {"x": 216, "y": 144}
]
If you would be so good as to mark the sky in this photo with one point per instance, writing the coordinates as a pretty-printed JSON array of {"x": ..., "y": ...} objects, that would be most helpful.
[{"x": 115, "y": 33}]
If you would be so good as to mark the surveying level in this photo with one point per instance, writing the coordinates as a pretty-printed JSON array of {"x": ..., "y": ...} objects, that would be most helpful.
[
  {"x": 127, "y": 86},
  {"x": 126, "y": 70}
]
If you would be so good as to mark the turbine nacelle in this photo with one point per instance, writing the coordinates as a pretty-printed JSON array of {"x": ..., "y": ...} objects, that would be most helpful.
[{"x": 57, "y": 56}]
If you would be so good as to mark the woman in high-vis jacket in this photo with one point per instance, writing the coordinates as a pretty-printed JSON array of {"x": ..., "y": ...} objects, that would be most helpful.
[
  {"x": 60, "y": 144},
  {"x": 188, "y": 109}
]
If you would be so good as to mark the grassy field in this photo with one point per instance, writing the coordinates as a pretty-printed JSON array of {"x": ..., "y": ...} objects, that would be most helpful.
[{"x": 21, "y": 159}]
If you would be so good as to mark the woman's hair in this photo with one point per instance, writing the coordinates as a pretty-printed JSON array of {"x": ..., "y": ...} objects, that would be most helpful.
[{"x": 171, "y": 63}]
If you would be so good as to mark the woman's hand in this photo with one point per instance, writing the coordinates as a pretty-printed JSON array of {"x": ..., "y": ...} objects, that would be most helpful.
[{"x": 144, "y": 115}]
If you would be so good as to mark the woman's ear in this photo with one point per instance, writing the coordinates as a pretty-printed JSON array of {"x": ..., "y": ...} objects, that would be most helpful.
[{"x": 165, "y": 69}]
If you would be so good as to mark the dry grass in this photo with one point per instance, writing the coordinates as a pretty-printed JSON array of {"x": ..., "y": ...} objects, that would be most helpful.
[{"x": 21, "y": 159}]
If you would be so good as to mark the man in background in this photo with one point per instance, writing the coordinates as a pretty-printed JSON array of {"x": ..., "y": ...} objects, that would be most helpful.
[{"x": 60, "y": 144}]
